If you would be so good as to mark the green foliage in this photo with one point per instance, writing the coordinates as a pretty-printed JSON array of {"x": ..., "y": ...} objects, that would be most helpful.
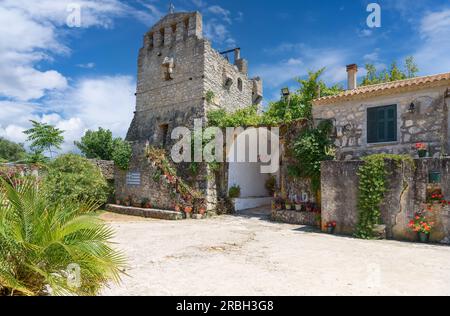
[
  {"x": 72, "y": 177},
  {"x": 122, "y": 153},
  {"x": 372, "y": 186},
  {"x": 36, "y": 158},
  {"x": 394, "y": 73},
  {"x": 234, "y": 192},
  {"x": 311, "y": 148},
  {"x": 297, "y": 106},
  {"x": 44, "y": 137},
  {"x": 210, "y": 96},
  {"x": 10, "y": 151},
  {"x": 39, "y": 240},
  {"x": 101, "y": 145},
  {"x": 271, "y": 185},
  {"x": 97, "y": 144}
]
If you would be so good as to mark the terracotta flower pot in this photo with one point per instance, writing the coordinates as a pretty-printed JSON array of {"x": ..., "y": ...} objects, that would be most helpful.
[
  {"x": 177, "y": 208},
  {"x": 202, "y": 210},
  {"x": 188, "y": 209}
]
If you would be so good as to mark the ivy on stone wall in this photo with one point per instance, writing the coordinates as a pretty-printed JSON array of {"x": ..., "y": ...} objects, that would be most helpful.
[
  {"x": 372, "y": 187},
  {"x": 312, "y": 146}
]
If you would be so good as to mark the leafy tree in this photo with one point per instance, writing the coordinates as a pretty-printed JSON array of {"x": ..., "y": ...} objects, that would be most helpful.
[
  {"x": 312, "y": 146},
  {"x": 101, "y": 145},
  {"x": 97, "y": 144},
  {"x": 10, "y": 151},
  {"x": 411, "y": 67},
  {"x": 36, "y": 157},
  {"x": 72, "y": 177},
  {"x": 40, "y": 241},
  {"x": 297, "y": 106},
  {"x": 44, "y": 137},
  {"x": 394, "y": 73},
  {"x": 122, "y": 153}
]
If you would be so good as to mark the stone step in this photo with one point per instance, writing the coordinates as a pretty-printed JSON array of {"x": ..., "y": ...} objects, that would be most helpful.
[{"x": 147, "y": 213}]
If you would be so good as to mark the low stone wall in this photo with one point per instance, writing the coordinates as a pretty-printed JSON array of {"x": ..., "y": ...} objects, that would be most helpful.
[
  {"x": 106, "y": 167},
  {"x": 294, "y": 217},
  {"x": 406, "y": 195},
  {"x": 148, "y": 213}
]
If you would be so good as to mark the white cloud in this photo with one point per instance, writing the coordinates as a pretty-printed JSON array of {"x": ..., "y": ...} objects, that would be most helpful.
[
  {"x": 35, "y": 31},
  {"x": 433, "y": 51},
  {"x": 86, "y": 66},
  {"x": 305, "y": 59},
  {"x": 223, "y": 13},
  {"x": 95, "y": 102}
]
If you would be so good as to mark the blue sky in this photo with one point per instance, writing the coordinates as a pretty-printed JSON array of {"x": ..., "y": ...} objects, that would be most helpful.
[{"x": 82, "y": 78}]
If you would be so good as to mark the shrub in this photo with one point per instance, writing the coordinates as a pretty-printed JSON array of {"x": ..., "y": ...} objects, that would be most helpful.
[
  {"x": 75, "y": 178},
  {"x": 234, "y": 192},
  {"x": 122, "y": 154},
  {"x": 41, "y": 241}
]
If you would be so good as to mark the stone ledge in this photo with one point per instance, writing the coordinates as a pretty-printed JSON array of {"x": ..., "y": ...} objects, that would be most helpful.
[
  {"x": 294, "y": 217},
  {"x": 147, "y": 213}
]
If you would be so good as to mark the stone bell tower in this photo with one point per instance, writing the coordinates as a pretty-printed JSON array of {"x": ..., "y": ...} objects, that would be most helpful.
[{"x": 177, "y": 70}]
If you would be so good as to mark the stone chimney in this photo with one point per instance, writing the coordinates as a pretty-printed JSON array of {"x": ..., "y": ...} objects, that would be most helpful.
[{"x": 352, "y": 71}]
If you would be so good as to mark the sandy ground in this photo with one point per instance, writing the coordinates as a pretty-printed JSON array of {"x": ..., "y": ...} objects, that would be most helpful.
[{"x": 248, "y": 255}]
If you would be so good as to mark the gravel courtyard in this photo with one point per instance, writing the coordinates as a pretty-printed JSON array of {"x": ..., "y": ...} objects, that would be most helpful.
[{"x": 248, "y": 255}]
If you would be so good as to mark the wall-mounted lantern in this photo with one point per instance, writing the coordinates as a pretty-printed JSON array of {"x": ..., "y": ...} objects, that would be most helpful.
[{"x": 412, "y": 108}]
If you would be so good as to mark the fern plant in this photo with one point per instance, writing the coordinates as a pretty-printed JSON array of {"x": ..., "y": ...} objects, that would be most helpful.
[{"x": 41, "y": 240}]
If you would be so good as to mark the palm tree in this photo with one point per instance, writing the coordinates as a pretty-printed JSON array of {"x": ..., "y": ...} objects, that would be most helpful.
[{"x": 42, "y": 243}]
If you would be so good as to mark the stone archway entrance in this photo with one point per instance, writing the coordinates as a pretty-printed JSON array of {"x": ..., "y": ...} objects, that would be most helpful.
[{"x": 248, "y": 175}]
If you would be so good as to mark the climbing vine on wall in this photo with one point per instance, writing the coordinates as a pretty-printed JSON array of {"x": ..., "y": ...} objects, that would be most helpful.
[
  {"x": 372, "y": 187},
  {"x": 312, "y": 146}
]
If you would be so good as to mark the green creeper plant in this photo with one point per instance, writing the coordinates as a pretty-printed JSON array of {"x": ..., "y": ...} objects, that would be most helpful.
[{"x": 372, "y": 187}]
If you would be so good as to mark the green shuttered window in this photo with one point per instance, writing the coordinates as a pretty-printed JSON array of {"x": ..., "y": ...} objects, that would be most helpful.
[{"x": 382, "y": 124}]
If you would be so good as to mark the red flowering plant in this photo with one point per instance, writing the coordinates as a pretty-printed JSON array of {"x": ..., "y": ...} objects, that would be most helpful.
[
  {"x": 436, "y": 196},
  {"x": 420, "y": 224},
  {"x": 332, "y": 224},
  {"x": 421, "y": 146}
]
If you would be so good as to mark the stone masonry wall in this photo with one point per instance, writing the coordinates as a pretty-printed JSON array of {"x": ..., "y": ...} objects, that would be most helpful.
[
  {"x": 406, "y": 195},
  {"x": 177, "y": 67},
  {"x": 428, "y": 124}
]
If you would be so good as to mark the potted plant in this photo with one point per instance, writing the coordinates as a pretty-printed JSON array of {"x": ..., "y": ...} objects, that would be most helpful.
[
  {"x": 278, "y": 203},
  {"x": 127, "y": 201},
  {"x": 288, "y": 205},
  {"x": 234, "y": 192},
  {"x": 146, "y": 203},
  {"x": 421, "y": 150},
  {"x": 298, "y": 204},
  {"x": 177, "y": 208},
  {"x": 422, "y": 226},
  {"x": 330, "y": 226},
  {"x": 271, "y": 184},
  {"x": 188, "y": 209},
  {"x": 202, "y": 210}
]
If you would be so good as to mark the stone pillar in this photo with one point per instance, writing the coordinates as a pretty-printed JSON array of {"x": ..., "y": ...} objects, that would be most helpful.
[
  {"x": 157, "y": 39},
  {"x": 196, "y": 25},
  {"x": 168, "y": 36},
  {"x": 181, "y": 32}
]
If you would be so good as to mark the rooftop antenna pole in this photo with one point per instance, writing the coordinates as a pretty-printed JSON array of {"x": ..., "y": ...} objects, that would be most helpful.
[{"x": 171, "y": 8}]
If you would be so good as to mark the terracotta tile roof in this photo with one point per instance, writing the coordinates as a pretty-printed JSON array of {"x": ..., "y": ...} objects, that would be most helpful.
[{"x": 386, "y": 88}]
